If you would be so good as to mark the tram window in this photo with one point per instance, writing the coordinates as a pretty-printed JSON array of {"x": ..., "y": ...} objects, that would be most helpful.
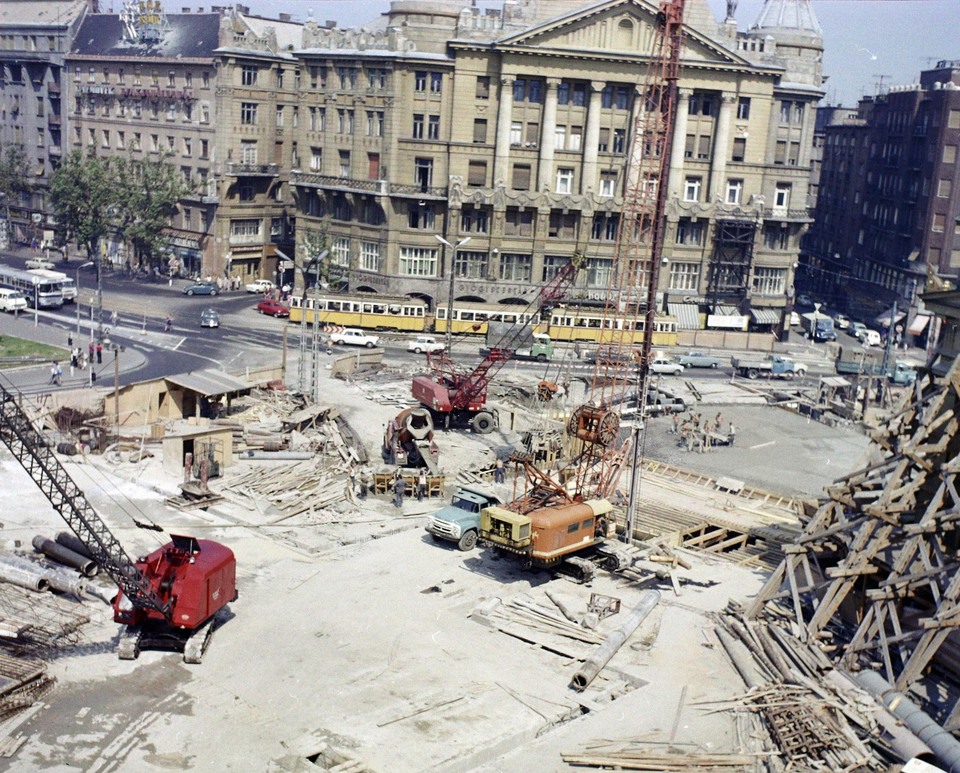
[
  {"x": 394, "y": 308},
  {"x": 587, "y": 524},
  {"x": 467, "y": 316},
  {"x": 573, "y": 527},
  {"x": 580, "y": 322},
  {"x": 593, "y": 322}
]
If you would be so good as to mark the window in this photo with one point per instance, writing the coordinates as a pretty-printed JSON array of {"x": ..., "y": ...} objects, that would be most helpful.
[
  {"x": 551, "y": 265},
  {"x": 939, "y": 220},
  {"x": 204, "y": 113},
  {"x": 563, "y": 93},
  {"x": 734, "y": 191},
  {"x": 418, "y": 261},
  {"x": 785, "y": 106},
  {"x": 204, "y": 148},
  {"x": 420, "y": 81},
  {"x": 579, "y": 96},
  {"x": 377, "y": 78},
  {"x": 344, "y": 169},
  {"x": 344, "y": 121},
  {"x": 247, "y": 193},
  {"x": 576, "y": 138},
  {"x": 608, "y": 183},
  {"x": 474, "y": 220},
  {"x": 563, "y": 225},
  {"x": 375, "y": 123},
  {"x": 483, "y": 87},
  {"x": 619, "y": 140},
  {"x": 187, "y": 78},
  {"x": 370, "y": 256},
  {"x": 603, "y": 141},
  {"x": 684, "y": 276},
  {"x": 516, "y": 133},
  {"x": 605, "y": 225},
  {"x": 516, "y": 267},
  {"x": 316, "y": 159},
  {"x": 420, "y": 215},
  {"x": 739, "y": 149},
  {"x": 137, "y": 141},
  {"x": 248, "y": 75},
  {"x": 41, "y": 140},
  {"x": 690, "y": 233},
  {"x": 560, "y": 137},
  {"x": 781, "y": 196},
  {"x": 248, "y": 151},
  {"x": 187, "y": 146},
  {"x": 433, "y": 127},
  {"x": 480, "y": 130},
  {"x": 599, "y": 271},
  {"x": 776, "y": 237},
  {"x": 436, "y": 82},
  {"x": 521, "y": 177},
  {"x": 348, "y": 77},
  {"x": 248, "y": 113},
  {"x": 316, "y": 119},
  {"x": 564, "y": 180},
  {"x": 423, "y": 172},
  {"x": 691, "y": 188},
  {"x": 154, "y": 143},
  {"x": 519, "y": 89},
  {"x": 743, "y": 108},
  {"x": 122, "y": 141},
  {"x": 518, "y": 222},
  {"x": 769, "y": 281},
  {"x": 477, "y": 174},
  {"x": 470, "y": 265},
  {"x": 417, "y": 126},
  {"x": 949, "y": 154},
  {"x": 535, "y": 91},
  {"x": 340, "y": 251},
  {"x": 241, "y": 230},
  {"x": 279, "y": 116},
  {"x": 944, "y": 187}
]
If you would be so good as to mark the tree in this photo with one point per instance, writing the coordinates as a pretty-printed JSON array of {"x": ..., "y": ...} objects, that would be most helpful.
[
  {"x": 81, "y": 194},
  {"x": 14, "y": 177},
  {"x": 314, "y": 256}
]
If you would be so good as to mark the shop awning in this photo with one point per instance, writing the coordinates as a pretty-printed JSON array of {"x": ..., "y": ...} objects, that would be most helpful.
[
  {"x": 766, "y": 316},
  {"x": 884, "y": 319},
  {"x": 687, "y": 315},
  {"x": 919, "y": 324}
]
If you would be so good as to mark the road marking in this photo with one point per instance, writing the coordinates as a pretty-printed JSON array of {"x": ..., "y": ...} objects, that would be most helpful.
[{"x": 763, "y": 445}]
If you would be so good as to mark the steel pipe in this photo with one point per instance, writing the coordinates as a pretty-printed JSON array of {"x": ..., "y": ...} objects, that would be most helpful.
[
  {"x": 16, "y": 573},
  {"x": 63, "y": 555},
  {"x": 602, "y": 654},
  {"x": 72, "y": 542},
  {"x": 65, "y": 582},
  {"x": 943, "y": 744}
]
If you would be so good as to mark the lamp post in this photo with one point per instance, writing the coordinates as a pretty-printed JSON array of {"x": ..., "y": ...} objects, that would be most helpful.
[
  {"x": 451, "y": 270},
  {"x": 116, "y": 388},
  {"x": 77, "y": 301}
]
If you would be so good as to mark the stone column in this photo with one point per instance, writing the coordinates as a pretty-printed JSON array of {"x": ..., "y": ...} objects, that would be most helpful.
[
  {"x": 675, "y": 183},
  {"x": 548, "y": 137},
  {"x": 501, "y": 166},
  {"x": 806, "y": 145},
  {"x": 591, "y": 139},
  {"x": 721, "y": 151}
]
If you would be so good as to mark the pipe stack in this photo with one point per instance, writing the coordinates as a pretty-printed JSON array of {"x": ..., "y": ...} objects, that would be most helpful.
[{"x": 66, "y": 556}]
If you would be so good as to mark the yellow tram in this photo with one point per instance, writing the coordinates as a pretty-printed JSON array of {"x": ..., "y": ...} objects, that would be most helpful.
[{"x": 376, "y": 312}]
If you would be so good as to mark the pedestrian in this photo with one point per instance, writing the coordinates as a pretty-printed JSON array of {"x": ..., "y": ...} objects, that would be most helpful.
[
  {"x": 114, "y": 318},
  {"x": 93, "y": 377},
  {"x": 675, "y": 430},
  {"x": 90, "y": 350},
  {"x": 167, "y": 324},
  {"x": 329, "y": 346},
  {"x": 399, "y": 487},
  {"x": 99, "y": 353},
  {"x": 70, "y": 340},
  {"x": 422, "y": 485},
  {"x": 83, "y": 360},
  {"x": 719, "y": 420},
  {"x": 732, "y": 434},
  {"x": 53, "y": 373},
  {"x": 73, "y": 363},
  {"x": 499, "y": 473},
  {"x": 696, "y": 421},
  {"x": 576, "y": 349},
  {"x": 364, "y": 483}
]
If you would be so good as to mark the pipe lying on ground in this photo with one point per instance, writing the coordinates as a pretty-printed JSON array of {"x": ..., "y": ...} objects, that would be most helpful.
[
  {"x": 30, "y": 577},
  {"x": 602, "y": 654},
  {"x": 63, "y": 555},
  {"x": 66, "y": 582},
  {"x": 72, "y": 542},
  {"x": 943, "y": 744}
]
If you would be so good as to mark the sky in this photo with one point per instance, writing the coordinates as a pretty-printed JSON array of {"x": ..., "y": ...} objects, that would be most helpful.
[{"x": 869, "y": 45}]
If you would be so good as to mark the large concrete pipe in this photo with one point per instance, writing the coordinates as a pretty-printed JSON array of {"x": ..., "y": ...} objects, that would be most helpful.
[
  {"x": 63, "y": 555},
  {"x": 72, "y": 542},
  {"x": 591, "y": 667},
  {"x": 943, "y": 744},
  {"x": 66, "y": 582},
  {"x": 15, "y": 572}
]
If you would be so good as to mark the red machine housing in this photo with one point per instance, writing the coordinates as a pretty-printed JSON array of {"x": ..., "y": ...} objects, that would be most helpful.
[{"x": 196, "y": 578}]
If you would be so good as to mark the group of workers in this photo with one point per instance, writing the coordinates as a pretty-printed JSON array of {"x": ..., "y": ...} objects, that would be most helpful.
[{"x": 698, "y": 434}]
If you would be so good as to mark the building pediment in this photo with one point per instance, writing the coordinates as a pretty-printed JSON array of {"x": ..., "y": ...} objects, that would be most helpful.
[{"x": 622, "y": 29}]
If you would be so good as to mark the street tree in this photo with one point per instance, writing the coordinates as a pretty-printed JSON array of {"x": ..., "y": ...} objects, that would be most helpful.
[{"x": 81, "y": 194}]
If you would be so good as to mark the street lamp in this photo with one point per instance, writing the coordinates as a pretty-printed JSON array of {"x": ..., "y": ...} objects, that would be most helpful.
[
  {"x": 77, "y": 300},
  {"x": 450, "y": 269}
]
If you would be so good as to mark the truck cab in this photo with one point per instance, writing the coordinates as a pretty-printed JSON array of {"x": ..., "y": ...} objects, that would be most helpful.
[
  {"x": 460, "y": 520},
  {"x": 540, "y": 348}
]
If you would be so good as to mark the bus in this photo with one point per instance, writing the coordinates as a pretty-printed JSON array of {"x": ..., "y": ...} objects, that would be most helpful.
[
  {"x": 371, "y": 311},
  {"x": 68, "y": 286},
  {"x": 39, "y": 291}
]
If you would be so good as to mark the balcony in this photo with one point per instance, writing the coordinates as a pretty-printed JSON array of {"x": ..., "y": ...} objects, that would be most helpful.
[
  {"x": 791, "y": 215},
  {"x": 245, "y": 239},
  {"x": 377, "y": 187},
  {"x": 236, "y": 169},
  {"x": 53, "y": 119},
  {"x": 53, "y": 87}
]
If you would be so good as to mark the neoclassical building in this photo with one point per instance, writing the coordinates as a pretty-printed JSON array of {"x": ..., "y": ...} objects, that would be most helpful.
[{"x": 508, "y": 133}]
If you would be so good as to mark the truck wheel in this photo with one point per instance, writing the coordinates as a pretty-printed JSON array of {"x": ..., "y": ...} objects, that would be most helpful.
[
  {"x": 468, "y": 541},
  {"x": 541, "y": 357},
  {"x": 801, "y": 373},
  {"x": 483, "y": 423},
  {"x": 753, "y": 373}
]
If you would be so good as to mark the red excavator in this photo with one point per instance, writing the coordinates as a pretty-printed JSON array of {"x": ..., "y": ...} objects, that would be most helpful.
[{"x": 171, "y": 599}]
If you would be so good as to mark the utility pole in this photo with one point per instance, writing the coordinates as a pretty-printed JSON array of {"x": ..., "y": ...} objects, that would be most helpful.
[
  {"x": 451, "y": 271},
  {"x": 116, "y": 390}
]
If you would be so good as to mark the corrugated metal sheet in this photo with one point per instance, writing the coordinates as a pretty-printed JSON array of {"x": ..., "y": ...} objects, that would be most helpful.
[
  {"x": 209, "y": 382},
  {"x": 687, "y": 314}
]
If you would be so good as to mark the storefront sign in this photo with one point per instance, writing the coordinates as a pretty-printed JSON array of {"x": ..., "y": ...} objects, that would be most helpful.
[{"x": 156, "y": 94}]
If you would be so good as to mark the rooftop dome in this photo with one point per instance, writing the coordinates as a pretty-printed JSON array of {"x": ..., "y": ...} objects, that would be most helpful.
[{"x": 787, "y": 15}]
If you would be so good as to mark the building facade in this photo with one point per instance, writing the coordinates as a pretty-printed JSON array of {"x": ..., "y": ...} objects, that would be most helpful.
[
  {"x": 888, "y": 206},
  {"x": 507, "y": 134},
  {"x": 34, "y": 39}
]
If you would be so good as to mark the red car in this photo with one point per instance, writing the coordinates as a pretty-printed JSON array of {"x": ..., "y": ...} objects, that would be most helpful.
[{"x": 273, "y": 308}]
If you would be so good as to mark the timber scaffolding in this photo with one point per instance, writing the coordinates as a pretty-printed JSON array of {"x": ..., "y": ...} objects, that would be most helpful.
[{"x": 873, "y": 579}]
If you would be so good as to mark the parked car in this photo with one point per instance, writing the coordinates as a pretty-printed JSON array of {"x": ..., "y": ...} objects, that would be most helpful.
[
  {"x": 694, "y": 359},
  {"x": 804, "y": 300},
  {"x": 260, "y": 286},
  {"x": 201, "y": 288},
  {"x": 665, "y": 366},
  {"x": 11, "y": 300},
  {"x": 209, "y": 318},
  {"x": 794, "y": 319},
  {"x": 842, "y": 321},
  {"x": 425, "y": 344},
  {"x": 856, "y": 329},
  {"x": 610, "y": 354},
  {"x": 273, "y": 308},
  {"x": 871, "y": 338},
  {"x": 355, "y": 337},
  {"x": 40, "y": 263}
]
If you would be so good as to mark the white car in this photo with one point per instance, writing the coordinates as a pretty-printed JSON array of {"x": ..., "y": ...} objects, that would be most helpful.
[
  {"x": 260, "y": 286},
  {"x": 40, "y": 263},
  {"x": 665, "y": 366},
  {"x": 427, "y": 344},
  {"x": 355, "y": 337}
]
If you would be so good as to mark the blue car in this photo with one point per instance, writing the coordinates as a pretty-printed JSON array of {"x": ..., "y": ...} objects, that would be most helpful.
[{"x": 201, "y": 288}]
